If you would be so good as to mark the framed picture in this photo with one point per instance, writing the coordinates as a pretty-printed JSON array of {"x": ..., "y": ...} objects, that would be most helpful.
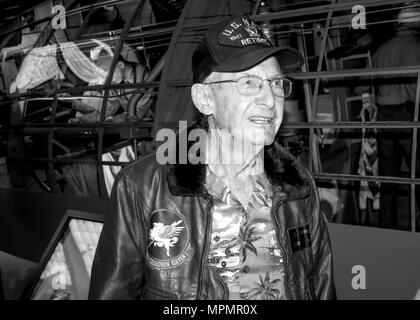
[{"x": 65, "y": 267}]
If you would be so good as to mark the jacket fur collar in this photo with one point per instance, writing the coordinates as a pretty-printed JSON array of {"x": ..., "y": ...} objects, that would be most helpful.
[{"x": 282, "y": 170}]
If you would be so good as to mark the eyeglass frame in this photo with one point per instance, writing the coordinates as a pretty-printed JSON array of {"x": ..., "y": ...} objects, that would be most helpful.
[{"x": 270, "y": 81}]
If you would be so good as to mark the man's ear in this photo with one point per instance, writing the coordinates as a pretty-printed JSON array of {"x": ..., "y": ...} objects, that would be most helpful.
[{"x": 202, "y": 96}]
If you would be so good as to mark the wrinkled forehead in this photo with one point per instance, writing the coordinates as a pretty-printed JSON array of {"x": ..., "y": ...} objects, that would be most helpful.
[{"x": 267, "y": 69}]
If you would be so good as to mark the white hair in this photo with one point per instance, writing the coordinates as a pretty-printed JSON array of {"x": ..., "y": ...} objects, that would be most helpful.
[{"x": 214, "y": 76}]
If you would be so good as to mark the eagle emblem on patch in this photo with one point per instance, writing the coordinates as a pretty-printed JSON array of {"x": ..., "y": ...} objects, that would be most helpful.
[
  {"x": 169, "y": 240},
  {"x": 252, "y": 29},
  {"x": 165, "y": 236}
]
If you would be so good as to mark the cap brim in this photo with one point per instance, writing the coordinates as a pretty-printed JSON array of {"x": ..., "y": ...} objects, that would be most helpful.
[{"x": 289, "y": 59}]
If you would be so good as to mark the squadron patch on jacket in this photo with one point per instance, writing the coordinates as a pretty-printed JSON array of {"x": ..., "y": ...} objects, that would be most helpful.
[
  {"x": 299, "y": 237},
  {"x": 169, "y": 240}
]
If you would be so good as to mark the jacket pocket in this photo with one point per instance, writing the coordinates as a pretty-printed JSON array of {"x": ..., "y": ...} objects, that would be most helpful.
[{"x": 150, "y": 293}]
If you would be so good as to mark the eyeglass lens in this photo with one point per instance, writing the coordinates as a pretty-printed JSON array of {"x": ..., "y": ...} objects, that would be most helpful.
[{"x": 253, "y": 85}]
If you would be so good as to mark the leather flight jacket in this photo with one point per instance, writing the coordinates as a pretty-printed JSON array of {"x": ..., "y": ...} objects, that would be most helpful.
[{"x": 155, "y": 242}]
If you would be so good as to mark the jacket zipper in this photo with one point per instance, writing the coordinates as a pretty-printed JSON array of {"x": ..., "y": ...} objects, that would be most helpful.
[
  {"x": 222, "y": 282},
  {"x": 282, "y": 248},
  {"x": 205, "y": 253}
]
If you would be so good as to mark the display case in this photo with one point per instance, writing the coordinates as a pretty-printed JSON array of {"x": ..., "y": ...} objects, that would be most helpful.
[{"x": 65, "y": 267}]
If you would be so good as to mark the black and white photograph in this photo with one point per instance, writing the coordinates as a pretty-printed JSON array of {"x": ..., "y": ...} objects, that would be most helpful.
[{"x": 227, "y": 151}]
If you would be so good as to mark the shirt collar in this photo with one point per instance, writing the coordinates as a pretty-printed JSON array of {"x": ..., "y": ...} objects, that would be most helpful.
[{"x": 218, "y": 188}]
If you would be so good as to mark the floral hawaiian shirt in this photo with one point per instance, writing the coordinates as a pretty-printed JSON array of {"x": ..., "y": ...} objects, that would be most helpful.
[{"x": 244, "y": 250}]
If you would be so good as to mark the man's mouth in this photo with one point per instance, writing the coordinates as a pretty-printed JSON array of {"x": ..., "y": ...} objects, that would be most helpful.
[{"x": 260, "y": 120}]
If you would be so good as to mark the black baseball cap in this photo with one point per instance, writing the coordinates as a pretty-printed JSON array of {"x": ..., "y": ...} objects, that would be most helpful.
[{"x": 237, "y": 44}]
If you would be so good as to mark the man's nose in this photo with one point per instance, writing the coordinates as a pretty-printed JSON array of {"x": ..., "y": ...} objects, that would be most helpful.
[{"x": 266, "y": 96}]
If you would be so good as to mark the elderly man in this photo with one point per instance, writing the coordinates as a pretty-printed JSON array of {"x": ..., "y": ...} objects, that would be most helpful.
[{"x": 244, "y": 229}]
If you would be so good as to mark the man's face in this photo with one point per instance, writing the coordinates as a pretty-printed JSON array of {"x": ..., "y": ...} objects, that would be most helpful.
[{"x": 261, "y": 113}]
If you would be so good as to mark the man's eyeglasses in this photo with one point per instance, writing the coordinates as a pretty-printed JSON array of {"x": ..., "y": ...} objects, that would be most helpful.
[{"x": 252, "y": 85}]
